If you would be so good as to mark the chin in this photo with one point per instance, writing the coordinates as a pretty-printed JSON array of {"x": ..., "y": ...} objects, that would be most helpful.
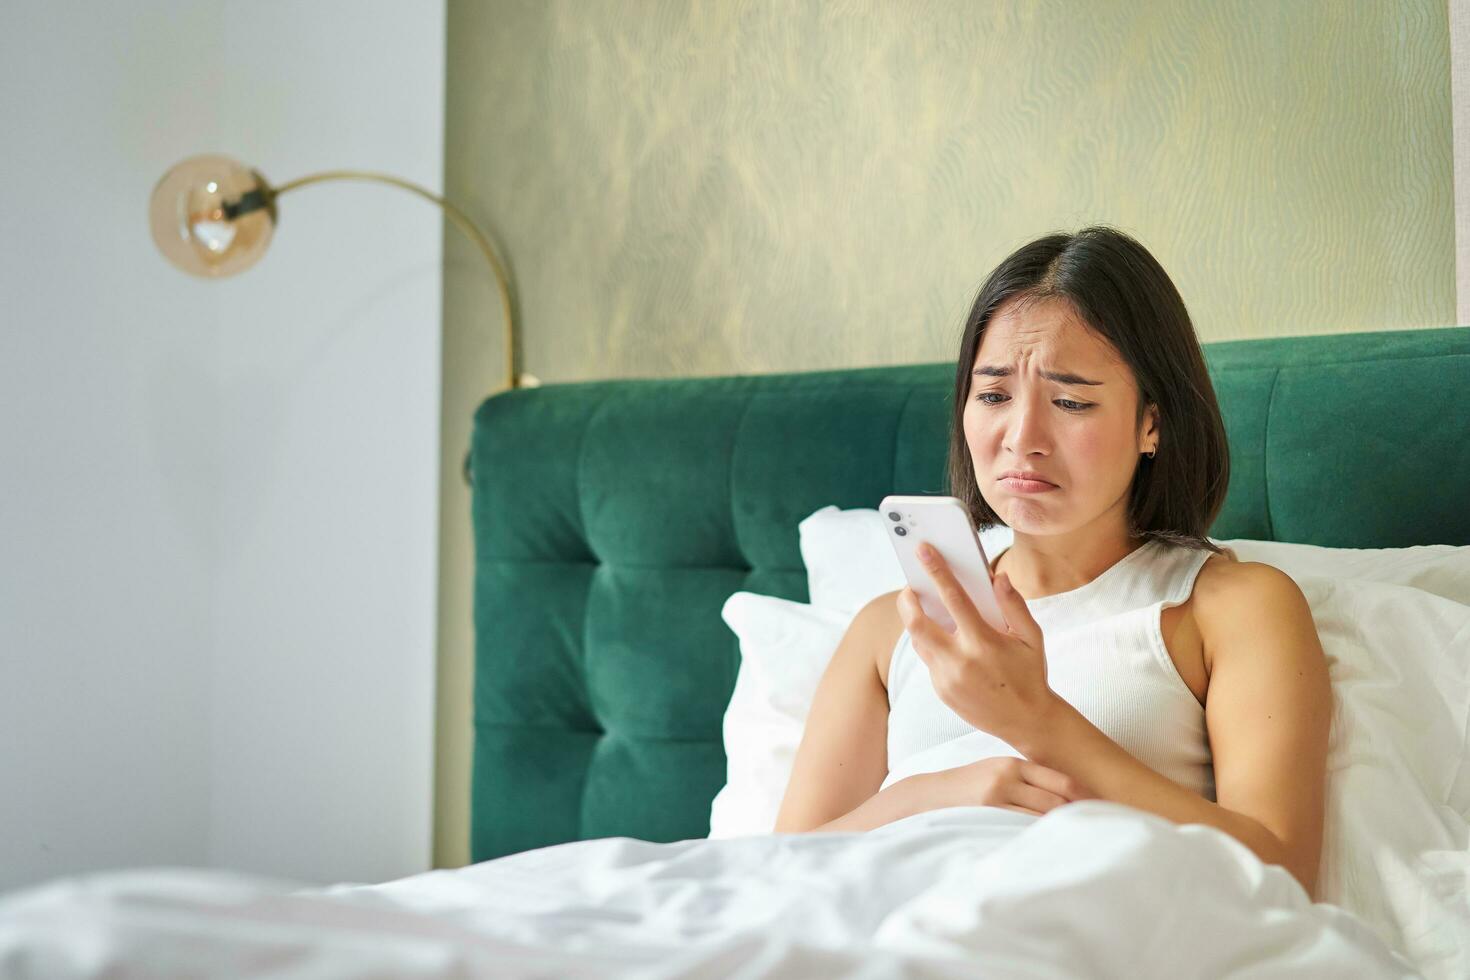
[{"x": 1027, "y": 517}]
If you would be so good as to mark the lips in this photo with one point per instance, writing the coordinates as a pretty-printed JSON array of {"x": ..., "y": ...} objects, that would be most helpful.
[{"x": 1018, "y": 475}]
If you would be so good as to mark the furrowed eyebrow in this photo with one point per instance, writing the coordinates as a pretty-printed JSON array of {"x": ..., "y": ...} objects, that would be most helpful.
[{"x": 994, "y": 371}]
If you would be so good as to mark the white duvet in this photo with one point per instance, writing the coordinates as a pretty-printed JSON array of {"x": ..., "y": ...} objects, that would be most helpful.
[{"x": 1093, "y": 888}]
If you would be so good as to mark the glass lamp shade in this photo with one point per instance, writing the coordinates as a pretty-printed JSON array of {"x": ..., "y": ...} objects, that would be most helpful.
[{"x": 212, "y": 216}]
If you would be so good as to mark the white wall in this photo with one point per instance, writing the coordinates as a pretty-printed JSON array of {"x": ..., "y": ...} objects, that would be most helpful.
[
  {"x": 1459, "y": 11},
  {"x": 218, "y": 499}
]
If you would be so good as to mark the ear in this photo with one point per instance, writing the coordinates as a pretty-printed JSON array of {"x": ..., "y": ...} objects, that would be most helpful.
[{"x": 1150, "y": 434}]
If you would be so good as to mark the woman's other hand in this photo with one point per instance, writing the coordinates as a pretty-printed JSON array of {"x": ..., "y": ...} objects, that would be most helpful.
[{"x": 1009, "y": 783}]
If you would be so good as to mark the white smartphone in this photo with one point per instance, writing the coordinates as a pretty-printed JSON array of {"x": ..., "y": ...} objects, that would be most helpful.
[{"x": 944, "y": 523}]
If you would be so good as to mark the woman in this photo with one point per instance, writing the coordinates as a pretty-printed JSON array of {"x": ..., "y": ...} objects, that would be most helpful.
[{"x": 1143, "y": 665}]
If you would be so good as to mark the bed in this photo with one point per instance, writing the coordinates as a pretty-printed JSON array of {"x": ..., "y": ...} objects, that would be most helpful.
[{"x": 613, "y": 520}]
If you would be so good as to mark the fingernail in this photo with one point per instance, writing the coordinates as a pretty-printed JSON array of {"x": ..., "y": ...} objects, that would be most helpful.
[{"x": 925, "y": 552}]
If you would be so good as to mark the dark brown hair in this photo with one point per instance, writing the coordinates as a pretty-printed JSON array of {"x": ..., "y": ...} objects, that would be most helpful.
[{"x": 1122, "y": 293}]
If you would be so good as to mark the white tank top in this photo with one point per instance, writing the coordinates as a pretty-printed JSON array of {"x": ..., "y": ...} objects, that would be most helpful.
[{"x": 1105, "y": 655}]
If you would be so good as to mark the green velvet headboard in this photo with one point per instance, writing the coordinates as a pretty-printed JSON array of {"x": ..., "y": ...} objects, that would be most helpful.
[{"x": 612, "y": 520}]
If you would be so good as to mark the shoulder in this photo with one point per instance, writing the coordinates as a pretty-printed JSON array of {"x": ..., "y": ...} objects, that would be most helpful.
[
  {"x": 1230, "y": 592},
  {"x": 1228, "y": 580}
]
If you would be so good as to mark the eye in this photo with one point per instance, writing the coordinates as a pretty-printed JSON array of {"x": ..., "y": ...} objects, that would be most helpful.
[{"x": 1066, "y": 403}]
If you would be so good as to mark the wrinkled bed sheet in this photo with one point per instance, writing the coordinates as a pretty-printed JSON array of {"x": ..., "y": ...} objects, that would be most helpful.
[{"x": 1093, "y": 888}]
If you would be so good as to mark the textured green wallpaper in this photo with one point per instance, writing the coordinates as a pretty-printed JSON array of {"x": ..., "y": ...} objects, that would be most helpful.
[{"x": 700, "y": 188}]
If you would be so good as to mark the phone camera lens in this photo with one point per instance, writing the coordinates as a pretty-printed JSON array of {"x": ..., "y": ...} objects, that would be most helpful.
[
  {"x": 899, "y": 530},
  {"x": 893, "y": 515}
]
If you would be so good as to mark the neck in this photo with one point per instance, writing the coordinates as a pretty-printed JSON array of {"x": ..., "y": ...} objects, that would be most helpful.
[{"x": 1047, "y": 564}]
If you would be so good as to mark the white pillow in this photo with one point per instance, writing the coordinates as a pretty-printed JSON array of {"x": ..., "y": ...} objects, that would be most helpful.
[
  {"x": 1394, "y": 622},
  {"x": 784, "y": 648}
]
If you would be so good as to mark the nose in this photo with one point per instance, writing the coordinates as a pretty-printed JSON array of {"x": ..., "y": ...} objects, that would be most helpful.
[{"x": 1026, "y": 428}]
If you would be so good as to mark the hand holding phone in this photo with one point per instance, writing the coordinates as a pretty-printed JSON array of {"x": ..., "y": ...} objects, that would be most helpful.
[{"x": 943, "y": 523}]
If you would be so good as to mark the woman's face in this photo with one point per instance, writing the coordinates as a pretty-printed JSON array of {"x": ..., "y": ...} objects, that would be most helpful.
[{"x": 1078, "y": 436}]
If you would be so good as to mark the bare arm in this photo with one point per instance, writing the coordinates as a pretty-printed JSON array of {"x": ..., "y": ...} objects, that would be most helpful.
[
  {"x": 904, "y": 798},
  {"x": 1269, "y": 710},
  {"x": 843, "y": 755}
]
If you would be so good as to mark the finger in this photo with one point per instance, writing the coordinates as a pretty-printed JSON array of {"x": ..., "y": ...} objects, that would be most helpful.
[
  {"x": 922, "y": 630},
  {"x": 1035, "y": 798},
  {"x": 903, "y": 606},
  {"x": 961, "y": 607},
  {"x": 1049, "y": 779},
  {"x": 911, "y": 611},
  {"x": 1019, "y": 620}
]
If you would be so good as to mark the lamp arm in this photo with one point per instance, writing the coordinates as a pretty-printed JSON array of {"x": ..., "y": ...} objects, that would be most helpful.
[{"x": 462, "y": 221}]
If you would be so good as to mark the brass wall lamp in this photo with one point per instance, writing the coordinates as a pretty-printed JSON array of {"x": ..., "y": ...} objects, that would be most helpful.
[{"x": 212, "y": 217}]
